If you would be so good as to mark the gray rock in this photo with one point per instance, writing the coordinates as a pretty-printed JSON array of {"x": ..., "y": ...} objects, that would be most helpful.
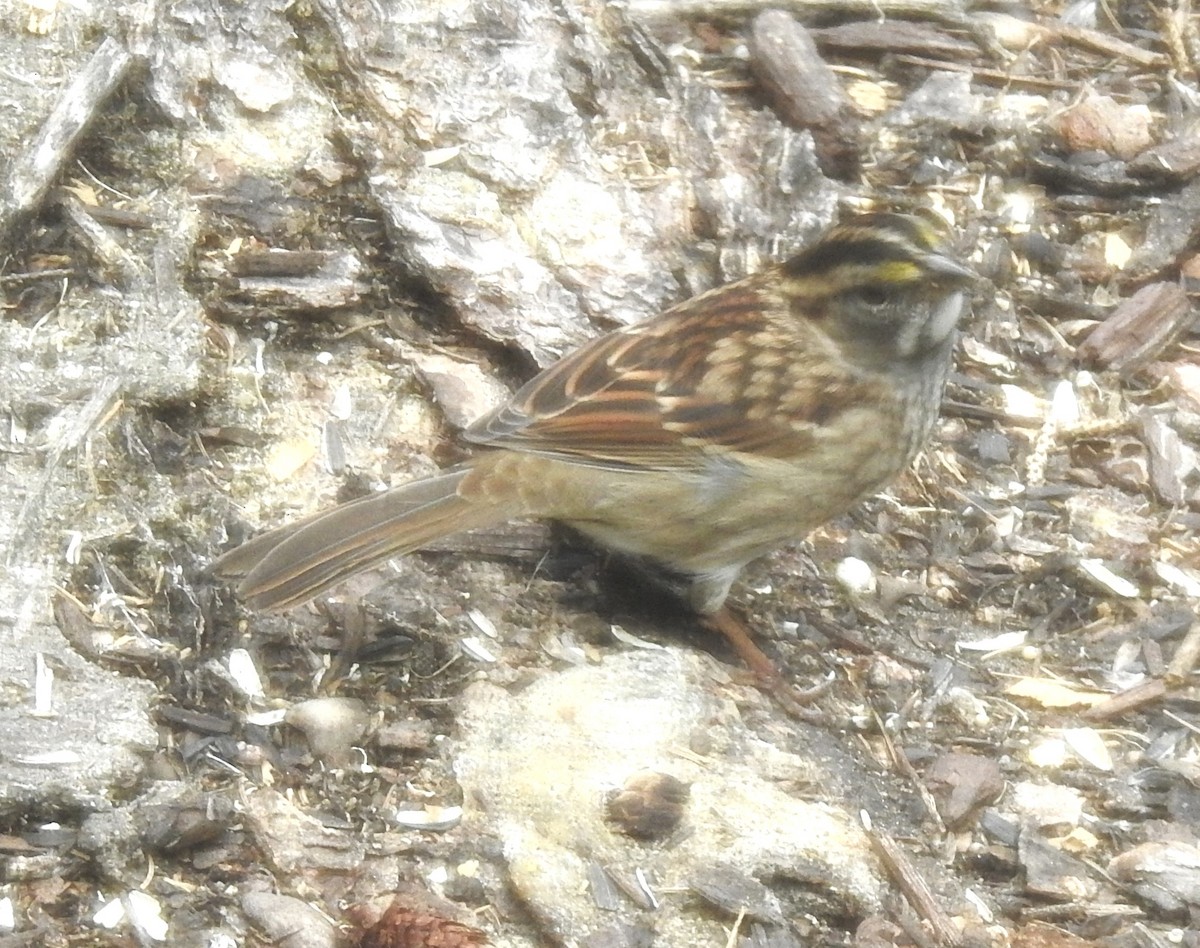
[{"x": 535, "y": 768}]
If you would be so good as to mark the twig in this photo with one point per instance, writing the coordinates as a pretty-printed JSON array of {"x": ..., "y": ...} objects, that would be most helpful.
[
  {"x": 910, "y": 882},
  {"x": 903, "y": 765},
  {"x": 79, "y": 424},
  {"x": 34, "y": 170},
  {"x": 997, "y": 77},
  {"x": 1148, "y": 692},
  {"x": 950, "y": 11},
  {"x": 37, "y": 276},
  {"x": 1131, "y": 699},
  {"x": 113, "y": 263}
]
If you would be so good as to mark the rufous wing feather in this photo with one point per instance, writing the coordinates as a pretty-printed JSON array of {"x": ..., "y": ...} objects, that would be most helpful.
[{"x": 634, "y": 399}]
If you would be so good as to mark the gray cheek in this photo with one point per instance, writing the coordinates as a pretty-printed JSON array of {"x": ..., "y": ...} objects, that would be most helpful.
[
  {"x": 917, "y": 336},
  {"x": 911, "y": 338}
]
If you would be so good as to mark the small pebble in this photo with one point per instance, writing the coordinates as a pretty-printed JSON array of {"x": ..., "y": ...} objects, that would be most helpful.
[
  {"x": 288, "y": 922},
  {"x": 856, "y": 576},
  {"x": 332, "y": 726}
]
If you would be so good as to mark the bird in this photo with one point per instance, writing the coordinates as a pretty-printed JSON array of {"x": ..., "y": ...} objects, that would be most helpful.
[{"x": 700, "y": 439}]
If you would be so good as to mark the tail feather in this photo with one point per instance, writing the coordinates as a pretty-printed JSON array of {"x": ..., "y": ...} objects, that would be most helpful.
[{"x": 294, "y": 563}]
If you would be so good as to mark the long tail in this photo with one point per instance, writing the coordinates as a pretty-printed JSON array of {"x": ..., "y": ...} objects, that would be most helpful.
[{"x": 298, "y": 561}]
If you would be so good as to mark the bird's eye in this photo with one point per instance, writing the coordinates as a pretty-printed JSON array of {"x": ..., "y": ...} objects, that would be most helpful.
[{"x": 872, "y": 294}]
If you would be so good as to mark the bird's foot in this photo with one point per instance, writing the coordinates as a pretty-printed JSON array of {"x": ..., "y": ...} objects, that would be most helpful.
[{"x": 796, "y": 702}]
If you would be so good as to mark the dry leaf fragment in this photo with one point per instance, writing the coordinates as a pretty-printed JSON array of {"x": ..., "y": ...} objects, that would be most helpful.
[
  {"x": 288, "y": 457},
  {"x": 1054, "y": 694},
  {"x": 1087, "y": 744},
  {"x": 403, "y": 927}
]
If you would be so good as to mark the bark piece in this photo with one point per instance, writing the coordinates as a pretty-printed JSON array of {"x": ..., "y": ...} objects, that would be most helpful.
[
  {"x": 1139, "y": 329},
  {"x": 287, "y": 921},
  {"x": 962, "y": 784},
  {"x": 1186, "y": 657},
  {"x": 803, "y": 90},
  {"x": 1174, "y": 160},
  {"x": 277, "y": 262},
  {"x": 1170, "y": 460},
  {"x": 302, "y": 280},
  {"x": 1051, "y": 873},
  {"x": 1171, "y": 232},
  {"x": 734, "y": 892},
  {"x": 894, "y": 36},
  {"x": 1165, "y": 873}
]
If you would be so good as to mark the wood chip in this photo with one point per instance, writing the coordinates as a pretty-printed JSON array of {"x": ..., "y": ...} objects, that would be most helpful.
[
  {"x": 1174, "y": 160},
  {"x": 1100, "y": 123},
  {"x": 1170, "y": 460},
  {"x": 1186, "y": 657},
  {"x": 1139, "y": 329},
  {"x": 1051, "y": 873},
  {"x": 804, "y": 90},
  {"x": 1165, "y": 873},
  {"x": 962, "y": 784}
]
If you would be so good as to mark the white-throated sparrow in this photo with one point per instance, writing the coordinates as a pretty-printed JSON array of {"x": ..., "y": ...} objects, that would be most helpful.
[{"x": 701, "y": 438}]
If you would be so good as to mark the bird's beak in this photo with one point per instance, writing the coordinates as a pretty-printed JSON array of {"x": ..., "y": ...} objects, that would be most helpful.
[{"x": 948, "y": 270}]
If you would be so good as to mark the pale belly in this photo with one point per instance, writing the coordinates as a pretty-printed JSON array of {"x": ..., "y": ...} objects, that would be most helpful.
[{"x": 729, "y": 513}]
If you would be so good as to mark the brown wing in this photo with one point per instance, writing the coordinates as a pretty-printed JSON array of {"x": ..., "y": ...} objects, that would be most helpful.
[{"x": 679, "y": 389}]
